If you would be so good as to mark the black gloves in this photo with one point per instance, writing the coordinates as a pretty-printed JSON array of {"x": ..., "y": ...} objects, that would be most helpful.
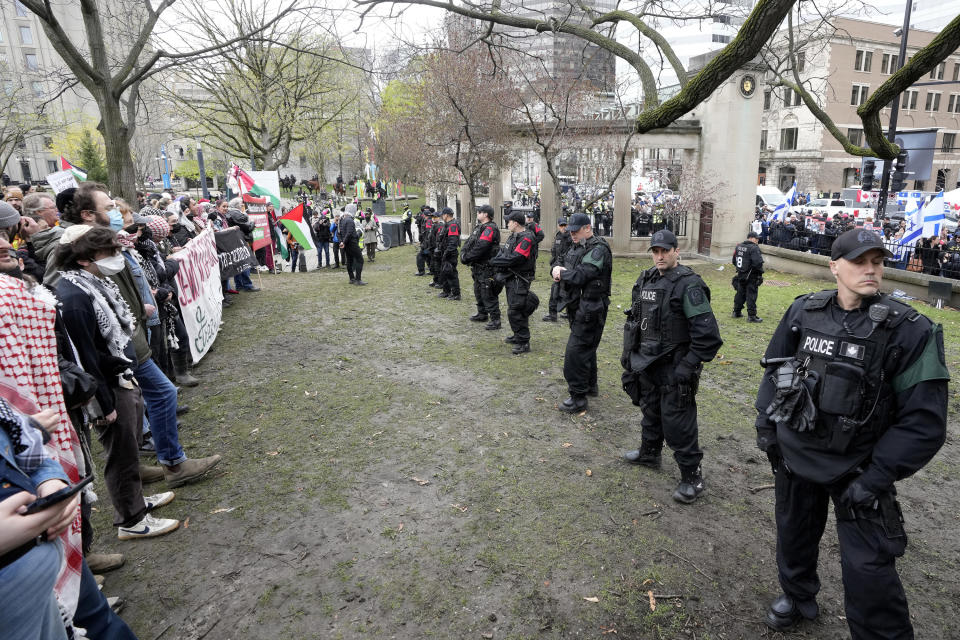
[
  {"x": 684, "y": 373},
  {"x": 856, "y": 495}
]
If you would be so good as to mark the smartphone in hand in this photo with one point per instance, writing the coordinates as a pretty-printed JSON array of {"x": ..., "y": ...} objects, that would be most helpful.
[{"x": 59, "y": 496}]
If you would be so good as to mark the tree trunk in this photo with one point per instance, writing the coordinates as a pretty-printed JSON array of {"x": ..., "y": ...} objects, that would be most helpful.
[{"x": 121, "y": 172}]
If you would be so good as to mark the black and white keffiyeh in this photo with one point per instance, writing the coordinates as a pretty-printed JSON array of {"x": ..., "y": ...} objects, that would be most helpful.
[
  {"x": 114, "y": 319},
  {"x": 26, "y": 439}
]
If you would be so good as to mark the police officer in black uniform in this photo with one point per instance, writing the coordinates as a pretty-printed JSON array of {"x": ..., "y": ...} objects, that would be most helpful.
[
  {"x": 561, "y": 245},
  {"x": 478, "y": 249},
  {"x": 587, "y": 285},
  {"x": 748, "y": 261},
  {"x": 425, "y": 228},
  {"x": 434, "y": 260},
  {"x": 449, "y": 247},
  {"x": 516, "y": 265},
  {"x": 670, "y": 331},
  {"x": 854, "y": 399}
]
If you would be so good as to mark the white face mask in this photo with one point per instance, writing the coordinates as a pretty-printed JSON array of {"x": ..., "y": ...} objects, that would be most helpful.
[{"x": 112, "y": 265}]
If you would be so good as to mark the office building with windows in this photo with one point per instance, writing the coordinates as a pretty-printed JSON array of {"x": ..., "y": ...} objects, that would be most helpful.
[{"x": 844, "y": 70}]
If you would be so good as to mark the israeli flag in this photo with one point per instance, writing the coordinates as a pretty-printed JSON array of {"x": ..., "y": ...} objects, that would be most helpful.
[
  {"x": 933, "y": 217},
  {"x": 780, "y": 213},
  {"x": 914, "y": 228}
]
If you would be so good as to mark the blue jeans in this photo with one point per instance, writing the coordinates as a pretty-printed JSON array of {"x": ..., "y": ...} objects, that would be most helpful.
[
  {"x": 243, "y": 280},
  {"x": 29, "y": 609},
  {"x": 94, "y": 613},
  {"x": 323, "y": 249},
  {"x": 160, "y": 398}
]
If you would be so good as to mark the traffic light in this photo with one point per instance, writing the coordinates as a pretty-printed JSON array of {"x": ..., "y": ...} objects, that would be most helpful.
[
  {"x": 899, "y": 179},
  {"x": 867, "y": 179}
]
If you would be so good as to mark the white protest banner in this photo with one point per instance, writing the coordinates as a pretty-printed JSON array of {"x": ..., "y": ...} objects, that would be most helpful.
[
  {"x": 200, "y": 293},
  {"x": 62, "y": 180}
]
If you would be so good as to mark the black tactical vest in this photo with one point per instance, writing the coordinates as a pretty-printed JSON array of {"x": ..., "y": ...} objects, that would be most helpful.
[
  {"x": 742, "y": 257},
  {"x": 599, "y": 287},
  {"x": 661, "y": 329},
  {"x": 853, "y": 394}
]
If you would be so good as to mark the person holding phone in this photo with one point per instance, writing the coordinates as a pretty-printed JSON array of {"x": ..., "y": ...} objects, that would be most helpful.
[{"x": 30, "y": 548}]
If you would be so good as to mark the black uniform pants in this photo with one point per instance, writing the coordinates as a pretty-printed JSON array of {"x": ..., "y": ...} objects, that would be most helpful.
[
  {"x": 875, "y": 603},
  {"x": 580, "y": 359},
  {"x": 669, "y": 415},
  {"x": 517, "y": 291},
  {"x": 354, "y": 258},
  {"x": 746, "y": 292},
  {"x": 554, "y": 298},
  {"x": 476, "y": 273},
  {"x": 435, "y": 268},
  {"x": 336, "y": 254},
  {"x": 407, "y": 231},
  {"x": 449, "y": 278},
  {"x": 487, "y": 291},
  {"x": 422, "y": 261}
]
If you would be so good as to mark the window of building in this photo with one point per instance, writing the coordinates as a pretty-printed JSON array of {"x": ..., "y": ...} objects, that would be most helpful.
[
  {"x": 855, "y": 136},
  {"x": 48, "y": 144},
  {"x": 1, "y": 35},
  {"x": 763, "y": 140},
  {"x": 766, "y": 99},
  {"x": 791, "y": 98},
  {"x": 21, "y": 143},
  {"x": 863, "y": 60},
  {"x": 52, "y": 166},
  {"x": 956, "y": 72},
  {"x": 941, "y": 179},
  {"x": 937, "y": 72},
  {"x": 722, "y": 39},
  {"x": 953, "y": 104},
  {"x": 721, "y": 19},
  {"x": 933, "y": 101},
  {"x": 3, "y": 60},
  {"x": 30, "y": 61},
  {"x": 8, "y": 87},
  {"x": 859, "y": 94},
  {"x": 788, "y": 175},
  {"x": 801, "y": 60},
  {"x": 949, "y": 140},
  {"x": 919, "y": 185},
  {"x": 37, "y": 88},
  {"x": 21, "y": 10},
  {"x": 909, "y": 99},
  {"x": 888, "y": 63},
  {"x": 788, "y": 139},
  {"x": 26, "y": 36}
]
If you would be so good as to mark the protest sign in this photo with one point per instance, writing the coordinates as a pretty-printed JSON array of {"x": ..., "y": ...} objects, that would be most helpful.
[
  {"x": 62, "y": 180},
  {"x": 233, "y": 252},
  {"x": 256, "y": 210},
  {"x": 199, "y": 291}
]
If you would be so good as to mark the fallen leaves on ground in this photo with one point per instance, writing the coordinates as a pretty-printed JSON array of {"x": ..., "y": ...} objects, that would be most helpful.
[
  {"x": 653, "y": 601},
  {"x": 222, "y": 510},
  {"x": 419, "y": 481},
  {"x": 591, "y": 599}
]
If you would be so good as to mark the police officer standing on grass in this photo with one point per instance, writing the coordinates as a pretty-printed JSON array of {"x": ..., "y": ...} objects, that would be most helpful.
[
  {"x": 407, "y": 220},
  {"x": 426, "y": 237},
  {"x": 516, "y": 265},
  {"x": 587, "y": 284},
  {"x": 479, "y": 248},
  {"x": 561, "y": 245},
  {"x": 449, "y": 248},
  {"x": 749, "y": 264},
  {"x": 435, "y": 243},
  {"x": 670, "y": 331},
  {"x": 854, "y": 399}
]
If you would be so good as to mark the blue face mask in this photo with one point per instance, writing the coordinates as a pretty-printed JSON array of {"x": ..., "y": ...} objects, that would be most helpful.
[{"x": 116, "y": 219}]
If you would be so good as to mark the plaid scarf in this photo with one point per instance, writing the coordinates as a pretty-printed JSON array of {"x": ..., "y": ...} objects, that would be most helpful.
[{"x": 26, "y": 436}]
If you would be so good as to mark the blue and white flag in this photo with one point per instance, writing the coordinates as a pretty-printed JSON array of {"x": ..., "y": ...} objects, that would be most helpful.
[
  {"x": 933, "y": 217},
  {"x": 782, "y": 209},
  {"x": 914, "y": 229}
]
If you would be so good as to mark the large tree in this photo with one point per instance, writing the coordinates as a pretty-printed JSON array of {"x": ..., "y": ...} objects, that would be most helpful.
[
  {"x": 119, "y": 45},
  {"x": 758, "y": 28},
  {"x": 283, "y": 87},
  {"x": 23, "y": 114}
]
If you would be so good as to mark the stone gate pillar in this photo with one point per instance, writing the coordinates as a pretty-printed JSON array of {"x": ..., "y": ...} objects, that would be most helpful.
[
  {"x": 729, "y": 156},
  {"x": 620, "y": 242}
]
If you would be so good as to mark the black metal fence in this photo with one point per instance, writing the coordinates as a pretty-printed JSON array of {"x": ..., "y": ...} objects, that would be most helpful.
[{"x": 936, "y": 261}]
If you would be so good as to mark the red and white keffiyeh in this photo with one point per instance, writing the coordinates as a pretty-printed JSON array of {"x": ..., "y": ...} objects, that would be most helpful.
[{"x": 28, "y": 356}]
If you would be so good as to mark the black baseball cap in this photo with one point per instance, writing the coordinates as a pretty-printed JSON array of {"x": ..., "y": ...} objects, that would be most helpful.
[
  {"x": 577, "y": 221},
  {"x": 856, "y": 242},
  {"x": 485, "y": 208},
  {"x": 561, "y": 222},
  {"x": 752, "y": 234},
  {"x": 664, "y": 239},
  {"x": 516, "y": 216}
]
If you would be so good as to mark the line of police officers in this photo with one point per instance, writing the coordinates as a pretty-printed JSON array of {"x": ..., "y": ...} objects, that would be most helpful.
[{"x": 853, "y": 399}]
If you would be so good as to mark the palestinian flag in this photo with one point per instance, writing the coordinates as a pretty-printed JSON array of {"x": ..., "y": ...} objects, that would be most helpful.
[
  {"x": 241, "y": 182},
  {"x": 79, "y": 174},
  {"x": 293, "y": 222}
]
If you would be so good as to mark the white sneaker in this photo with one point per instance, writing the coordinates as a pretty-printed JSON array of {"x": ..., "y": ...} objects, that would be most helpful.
[
  {"x": 148, "y": 528},
  {"x": 158, "y": 500}
]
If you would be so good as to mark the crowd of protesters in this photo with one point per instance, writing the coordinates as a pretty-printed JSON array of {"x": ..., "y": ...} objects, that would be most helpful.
[
  {"x": 93, "y": 345},
  {"x": 937, "y": 255}
]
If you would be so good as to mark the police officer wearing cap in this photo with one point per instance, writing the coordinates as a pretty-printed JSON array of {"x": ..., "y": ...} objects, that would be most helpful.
[
  {"x": 587, "y": 284},
  {"x": 854, "y": 399},
  {"x": 558, "y": 252},
  {"x": 478, "y": 249},
  {"x": 748, "y": 262},
  {"x": 670, "y": 331},
  {"x": 434, "y": 258},
  {"x": 515, "y": 266},
  {"x": 425, "y": 234}
]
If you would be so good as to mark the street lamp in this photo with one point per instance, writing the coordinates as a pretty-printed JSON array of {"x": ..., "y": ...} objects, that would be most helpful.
[{"x": 203, "y": 171}]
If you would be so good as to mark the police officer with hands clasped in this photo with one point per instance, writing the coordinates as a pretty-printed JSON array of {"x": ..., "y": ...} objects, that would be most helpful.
[
  {"x": 558, "y": 253},
  {"x": 670, "y": 331},
  {"x": 587, "y": 292},
  {"x": 854, "y": 398},
  {"x": 515, "y": 266},
  {"x": 749, "y": 264},
  {"x": 478, "y": 249}
]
